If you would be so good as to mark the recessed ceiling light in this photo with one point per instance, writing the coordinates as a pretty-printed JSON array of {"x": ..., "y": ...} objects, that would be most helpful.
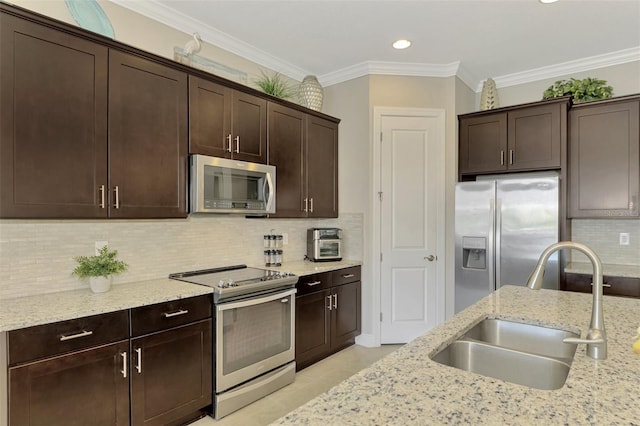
[
  {"x": 548, "y": 1},
  {"x": 401, "y": 44}
]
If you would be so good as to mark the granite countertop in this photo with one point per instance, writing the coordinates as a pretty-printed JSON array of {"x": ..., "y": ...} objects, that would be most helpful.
[
  {"x": 407, "y": 387},
  {"x": 629, "y": 271},
  {"x": 52, "y": 307},
  {"x": 306, "y": 267}
]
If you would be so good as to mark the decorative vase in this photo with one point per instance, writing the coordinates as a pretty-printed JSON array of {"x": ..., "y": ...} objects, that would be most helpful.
[
  {"x": 489, "y": 96},
  {"x": 311, "y": 93},
  {"x": 100, "y": 284}
]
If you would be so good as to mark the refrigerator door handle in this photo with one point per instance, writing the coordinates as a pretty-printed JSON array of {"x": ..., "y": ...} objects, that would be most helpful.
[
  {"x": 498, "y": 234},
  {"x": 491, "y": 249}
]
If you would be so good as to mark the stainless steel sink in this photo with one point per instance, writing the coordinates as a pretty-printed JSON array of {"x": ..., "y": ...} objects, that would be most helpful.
[
  {"x": 530, "y": 338},
  {"x": 525, "y": 354}
]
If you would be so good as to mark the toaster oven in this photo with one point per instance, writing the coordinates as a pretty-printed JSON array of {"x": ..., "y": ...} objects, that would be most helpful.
[{"x": 324, "y": 244}]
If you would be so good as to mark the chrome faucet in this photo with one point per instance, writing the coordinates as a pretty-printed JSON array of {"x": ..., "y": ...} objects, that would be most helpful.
[{"x": 596, "y": 339}]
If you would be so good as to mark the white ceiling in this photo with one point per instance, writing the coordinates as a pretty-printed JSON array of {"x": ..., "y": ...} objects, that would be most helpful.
[{"x": 513, "y": 41}]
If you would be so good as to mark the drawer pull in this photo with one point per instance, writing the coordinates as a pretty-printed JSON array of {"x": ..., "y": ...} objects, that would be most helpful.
[
  {"x": 175, "y": 314},
  {"x": 83, "y": 333},
  {"x": 603, "y": 285},
  {"x": 348, "y": 276},
  {"x": 312, "y": 283}
]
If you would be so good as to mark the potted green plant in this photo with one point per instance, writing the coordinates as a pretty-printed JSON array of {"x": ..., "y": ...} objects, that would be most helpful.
[
  {"x": 275, "y": 85},
  {"x": 99, "y": 269},
  {"x": 585, "y": 90}
]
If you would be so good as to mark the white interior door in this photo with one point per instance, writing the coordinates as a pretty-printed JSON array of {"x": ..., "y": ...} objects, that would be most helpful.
[{"x": 409, "y": 226}]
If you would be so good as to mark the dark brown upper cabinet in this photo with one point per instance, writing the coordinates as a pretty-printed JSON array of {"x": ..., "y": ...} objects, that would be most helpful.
[
  {"x": 511, "y": 139},
  {"x": 148, "y": 139},
  {"x": 88, "y": 131},
  {"x": 304, "y": 149},
  {"x": 604, "y": 158},
  {"x": 53, "y": 144},
  {"x": 227, "y": 123}
]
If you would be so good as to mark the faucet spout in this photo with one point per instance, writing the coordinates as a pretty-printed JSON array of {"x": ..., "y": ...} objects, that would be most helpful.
[{"x": 596, "y": 339}]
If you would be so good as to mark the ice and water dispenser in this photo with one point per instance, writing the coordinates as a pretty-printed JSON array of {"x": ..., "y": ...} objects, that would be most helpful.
[{"x": 474, "y": 252}]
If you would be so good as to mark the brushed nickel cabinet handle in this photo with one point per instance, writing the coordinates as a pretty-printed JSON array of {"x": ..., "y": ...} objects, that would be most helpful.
[
  {"x": 102, "y": 205},
  {"x": 229, "y": 142},
  {"x": 348, "y": 276},
  {"x": 510, "y": 156},
  {"x": 175, "y": 314},
  {"x": 312, "y": 283},
  {"x": 237, "y": 139},
  {"x": 335, "y": 301},
  {"x": 311, "y": 208},
  {"x": 502, "y": 157},
  {"x": 329, "y": 307},
  {"x": 306, "y": 205},
  {"x": 116, "y": 191},
  {"x": 83, "y": 333},
  {"x": 124, "y": 364},
  {"x": 139, "y": 360},
  {"x": 603, "y": 285}
]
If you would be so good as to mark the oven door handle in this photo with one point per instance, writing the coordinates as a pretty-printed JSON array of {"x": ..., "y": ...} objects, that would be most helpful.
[{"x": 254, "y": 301}]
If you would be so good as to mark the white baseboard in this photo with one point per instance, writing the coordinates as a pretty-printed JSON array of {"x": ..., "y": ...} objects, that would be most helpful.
[{"x": 367, "y": 340}]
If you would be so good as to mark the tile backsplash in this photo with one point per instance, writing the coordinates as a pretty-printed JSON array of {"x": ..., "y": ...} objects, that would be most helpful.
[
  {"x": 603, "y": 236},
  {"x": 36, "y": 256}
]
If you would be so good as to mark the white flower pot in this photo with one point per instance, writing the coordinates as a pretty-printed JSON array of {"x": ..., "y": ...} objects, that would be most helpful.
[{"x": 100, "y": 284}]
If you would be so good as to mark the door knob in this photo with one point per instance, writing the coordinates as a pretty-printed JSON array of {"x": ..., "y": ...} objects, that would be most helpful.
[{"x": 430, "y": 258}]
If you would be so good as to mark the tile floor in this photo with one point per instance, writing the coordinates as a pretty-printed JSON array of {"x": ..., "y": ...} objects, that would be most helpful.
[{"x": 309, "y": 383}]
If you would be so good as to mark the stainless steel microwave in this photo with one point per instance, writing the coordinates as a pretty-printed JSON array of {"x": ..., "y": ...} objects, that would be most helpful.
[{"x": 220, "y": 185}]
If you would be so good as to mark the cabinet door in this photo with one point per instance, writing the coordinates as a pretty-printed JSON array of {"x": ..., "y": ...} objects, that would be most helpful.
[
  {"x": 322, "y": 167},
  {"x": 483, "y": 144},
  {"x": 313, "y": 323},
  {"x": 604, "y": 160},
  {"x": 171, "y": 374},
  {"x": 287, "y": 135},
  {"x": 209, "y": 118},
  {"x": 82, "y": 388},
  {"x": 147, "y": 138},
  {"x": 345, "y": 321},
  {"x": 249, "y": 128},
  {"x": 534, "y": 138},
  {"x": 53, "y": 132}
]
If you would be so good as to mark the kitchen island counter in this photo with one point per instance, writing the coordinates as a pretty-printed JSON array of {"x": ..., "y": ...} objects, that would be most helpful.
[{"x": 407, "y": 387}]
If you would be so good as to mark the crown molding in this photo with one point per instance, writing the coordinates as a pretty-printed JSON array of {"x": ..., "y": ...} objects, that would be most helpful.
[
  {"x": 188, "y": 25},
  {"x": 389, "y": 68},
  {"x": 565, "y": 68}
]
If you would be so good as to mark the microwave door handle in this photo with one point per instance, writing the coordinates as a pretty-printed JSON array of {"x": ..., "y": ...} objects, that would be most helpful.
[{"x": 266, "y": 190}]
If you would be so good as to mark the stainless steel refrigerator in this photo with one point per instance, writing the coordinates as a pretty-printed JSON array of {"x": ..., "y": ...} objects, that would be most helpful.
[{"x": 502, "y": 225}]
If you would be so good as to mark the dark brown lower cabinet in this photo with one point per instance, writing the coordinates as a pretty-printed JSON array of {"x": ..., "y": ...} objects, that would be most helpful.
[
  {"x": 82, "y": 388},
  {"x": 171, "y": 374},
  {"x": 613, "y": 286},
  {"x": 329, "y": 319}
]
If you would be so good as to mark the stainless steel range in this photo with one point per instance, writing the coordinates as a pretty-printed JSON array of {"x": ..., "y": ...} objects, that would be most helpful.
[{"x": 255, "y": 332}]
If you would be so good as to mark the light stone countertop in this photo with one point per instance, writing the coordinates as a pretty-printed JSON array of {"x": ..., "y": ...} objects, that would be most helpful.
[
  {"x": 61, "y": 306},
  {"x": 52, "y": 307},
  {"x": 408, "y": 388},
  {"x": 629, "y": 271},
  {"x": 306, "y": 267}
]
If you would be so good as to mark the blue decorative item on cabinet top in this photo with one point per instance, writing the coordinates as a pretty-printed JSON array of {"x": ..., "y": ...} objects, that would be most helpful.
[{"x": 90, "y": 16}]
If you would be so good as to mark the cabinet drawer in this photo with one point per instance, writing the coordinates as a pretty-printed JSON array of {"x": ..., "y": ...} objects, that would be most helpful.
[
  {"x": 161, "y": 316},
  {"x": 614, "y": 286},
  {"x": 346, "y": 275},
  {"x": 42, "y": 341},
  {"x": 314, "y": 282}
]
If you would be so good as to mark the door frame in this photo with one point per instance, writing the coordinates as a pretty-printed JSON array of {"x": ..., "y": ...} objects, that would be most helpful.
[{"x": 376, "y": 215}]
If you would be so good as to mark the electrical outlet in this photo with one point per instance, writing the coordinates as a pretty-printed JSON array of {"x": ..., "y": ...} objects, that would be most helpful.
[
  {"x": 285, "y": 239},
  {"x": 99, "y": 245},
  {"x": 624, "y": 238}
]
